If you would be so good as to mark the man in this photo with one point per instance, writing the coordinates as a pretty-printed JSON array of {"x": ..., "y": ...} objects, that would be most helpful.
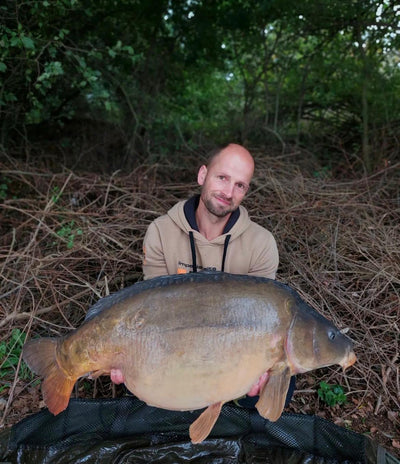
[{"x": 212, "y": 230}]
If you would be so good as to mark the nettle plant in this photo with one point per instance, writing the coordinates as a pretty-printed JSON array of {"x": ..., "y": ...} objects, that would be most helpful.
[{"x": 331, "y": 394}]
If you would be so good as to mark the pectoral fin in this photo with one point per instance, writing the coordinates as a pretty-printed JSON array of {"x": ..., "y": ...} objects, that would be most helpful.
[
  {"x": 202, "y": 426},
  {"x": 273, "y": 395}
]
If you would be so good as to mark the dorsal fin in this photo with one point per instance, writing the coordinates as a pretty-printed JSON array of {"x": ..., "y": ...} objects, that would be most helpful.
[{"x": 164, "y": 281}]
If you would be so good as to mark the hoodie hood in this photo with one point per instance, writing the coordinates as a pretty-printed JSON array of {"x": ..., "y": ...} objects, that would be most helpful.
[{"x": 183, "y": 215}]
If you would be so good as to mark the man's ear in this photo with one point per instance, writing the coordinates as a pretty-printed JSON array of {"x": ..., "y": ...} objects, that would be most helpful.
[{"x": 201, "y": 175}]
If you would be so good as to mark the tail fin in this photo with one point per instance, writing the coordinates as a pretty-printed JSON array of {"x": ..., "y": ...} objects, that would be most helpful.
[{"x": 40, "y": 355}]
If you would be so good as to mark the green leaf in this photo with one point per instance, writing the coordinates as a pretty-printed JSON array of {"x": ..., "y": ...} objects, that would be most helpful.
[
  {"x": 3, "y": 67},
  {"x": 129, "y": 49},
  {"x": 331, "y": 394},
  {"x": 28, "y": 42},
  {"x": 15, "y": 40}
]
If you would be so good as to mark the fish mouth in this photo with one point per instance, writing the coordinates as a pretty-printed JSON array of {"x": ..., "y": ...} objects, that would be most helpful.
[{"x": 348, "y": 360}]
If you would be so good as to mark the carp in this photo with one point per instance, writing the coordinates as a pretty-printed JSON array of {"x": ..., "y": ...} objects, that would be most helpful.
[{"x": 194, "y": 341}]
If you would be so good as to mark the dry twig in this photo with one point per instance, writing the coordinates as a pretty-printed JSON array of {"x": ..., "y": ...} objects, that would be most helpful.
[{"x": 67, "y": 239}]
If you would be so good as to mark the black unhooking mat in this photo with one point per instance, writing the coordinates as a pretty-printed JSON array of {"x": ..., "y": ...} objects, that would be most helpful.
[{"x": 126, "y": 430}]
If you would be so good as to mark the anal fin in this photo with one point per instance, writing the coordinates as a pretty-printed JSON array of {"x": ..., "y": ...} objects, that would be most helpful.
[
  {"x": 273, "y": 395},
  {"x": 201, "y": 427}
]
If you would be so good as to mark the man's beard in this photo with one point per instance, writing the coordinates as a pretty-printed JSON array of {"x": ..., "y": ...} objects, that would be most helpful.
[{"x": 217, "y": 211}]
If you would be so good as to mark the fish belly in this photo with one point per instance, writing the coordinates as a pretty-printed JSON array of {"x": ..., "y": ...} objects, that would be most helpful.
[{"x": 206, "y": 370}]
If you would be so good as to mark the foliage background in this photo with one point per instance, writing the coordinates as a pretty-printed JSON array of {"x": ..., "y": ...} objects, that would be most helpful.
[{"x": 132, "y": 80}]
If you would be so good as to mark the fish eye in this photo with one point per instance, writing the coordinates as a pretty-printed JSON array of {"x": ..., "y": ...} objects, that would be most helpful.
[{"x": 331, "y": 335}]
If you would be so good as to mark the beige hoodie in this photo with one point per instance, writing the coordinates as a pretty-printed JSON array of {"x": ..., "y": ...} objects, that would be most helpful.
[{"x": 251, "y": 249}]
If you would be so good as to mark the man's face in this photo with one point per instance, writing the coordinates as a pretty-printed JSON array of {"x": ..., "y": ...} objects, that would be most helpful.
[{"x": 225, "y": 182}]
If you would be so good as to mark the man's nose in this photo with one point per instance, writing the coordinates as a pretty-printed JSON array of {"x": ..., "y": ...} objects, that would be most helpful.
[{"x": 228, "y": 189}]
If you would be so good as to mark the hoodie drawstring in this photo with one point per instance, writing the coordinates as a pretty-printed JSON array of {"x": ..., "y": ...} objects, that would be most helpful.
[
  {"x": 228, "y": 237},
  {"x": 193, "y": 250}
]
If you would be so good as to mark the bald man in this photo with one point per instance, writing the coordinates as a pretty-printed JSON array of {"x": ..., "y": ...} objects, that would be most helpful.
[{"x": 212, "y": 231}]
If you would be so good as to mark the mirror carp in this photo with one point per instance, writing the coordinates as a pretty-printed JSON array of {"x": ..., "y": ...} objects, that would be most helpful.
[{"x": 193, "y": 341}]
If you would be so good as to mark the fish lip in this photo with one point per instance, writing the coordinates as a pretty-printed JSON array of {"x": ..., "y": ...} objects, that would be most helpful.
[{"x": 348, "y": 360}]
